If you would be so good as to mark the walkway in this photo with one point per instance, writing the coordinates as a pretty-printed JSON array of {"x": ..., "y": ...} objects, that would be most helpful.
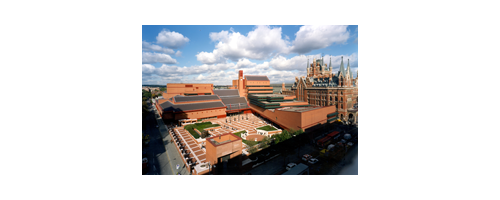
[{"x": 193, "y": 147}]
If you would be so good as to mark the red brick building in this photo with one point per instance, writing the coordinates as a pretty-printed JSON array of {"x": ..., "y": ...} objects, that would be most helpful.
[{"x": 322, "y": 87}]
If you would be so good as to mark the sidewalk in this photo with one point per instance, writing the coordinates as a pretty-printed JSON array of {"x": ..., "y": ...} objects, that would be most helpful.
[{"x": 173, "y": 155}]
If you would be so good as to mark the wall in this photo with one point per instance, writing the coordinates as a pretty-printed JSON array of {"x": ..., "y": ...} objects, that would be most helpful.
[
  {"x": 296, "y": 120},
  {"x": 252, "y": 83},
  {"x": 181, "y": 88},
  {"x": 233, "y": 148},
  {"x": 201, "y": 114},
  {"x": 313, "y": 117}
]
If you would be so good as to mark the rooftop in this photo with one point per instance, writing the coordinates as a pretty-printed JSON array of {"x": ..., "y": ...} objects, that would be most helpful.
[
  {"x": 227, "y": 92},
  {"x": 222, "y": 139},
  {"x": 256, "y": 78},
  {"x": 180, "y": 98},
  {"x": 269, "y": 95},
  {"x": 299, "y": 109},
  {"x": 169, "y": 106}
]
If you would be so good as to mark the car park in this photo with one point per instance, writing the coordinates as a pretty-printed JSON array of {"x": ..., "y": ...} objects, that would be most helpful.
[{"x": 290, "y": 166}]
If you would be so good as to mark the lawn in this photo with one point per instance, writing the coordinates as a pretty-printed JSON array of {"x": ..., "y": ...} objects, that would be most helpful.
[
  {"x": 239, "y": 133},
  {"x": 204, "y": 125},
  {"x": 247, "y": 142},
  {"x": 191, "y": 130},
  {"x": 200, "y": 127},
  {"x": 267, "y": 128}
]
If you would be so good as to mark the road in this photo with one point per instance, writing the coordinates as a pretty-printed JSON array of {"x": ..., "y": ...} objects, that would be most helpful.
[
  {"x": 162, "y": 155},
  {"x": 277, "y": 164},
  {"x": 349, "y": 166}
]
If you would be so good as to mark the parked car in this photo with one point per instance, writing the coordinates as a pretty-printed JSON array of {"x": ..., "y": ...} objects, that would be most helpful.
[
  {"x": 144, "y": 166},
  {"x": 290, "y": 166},
  {"x": 306, "y": 157},
  {"x": 313, "y": 161}
]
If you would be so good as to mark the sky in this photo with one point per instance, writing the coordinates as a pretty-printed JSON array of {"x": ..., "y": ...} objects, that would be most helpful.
[{"x": 214, "y": 54}]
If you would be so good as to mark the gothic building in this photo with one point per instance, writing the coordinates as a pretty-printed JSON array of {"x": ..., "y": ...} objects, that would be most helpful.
[{"x": 322, "y": 87}]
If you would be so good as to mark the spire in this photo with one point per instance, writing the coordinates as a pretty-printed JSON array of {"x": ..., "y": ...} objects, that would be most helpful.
[
  {"x": 349, "y": 68},
  {"x": 330, "y": 65},
  {"x": 342, "y": 70}
]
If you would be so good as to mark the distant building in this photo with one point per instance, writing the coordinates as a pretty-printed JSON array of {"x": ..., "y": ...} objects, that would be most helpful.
[
  {"x": 321, "y": 87},
  {"x": 188, "y": 89},
  {"x": 252, "y": 84}
]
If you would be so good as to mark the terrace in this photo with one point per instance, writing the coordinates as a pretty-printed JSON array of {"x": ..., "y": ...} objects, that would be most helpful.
[
  {"x": 188, "y": 147},
  {"x": 236, "y": 126}
]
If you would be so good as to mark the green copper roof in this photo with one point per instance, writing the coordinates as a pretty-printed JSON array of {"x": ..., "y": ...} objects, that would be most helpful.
[{"x": 342, "y": 70}]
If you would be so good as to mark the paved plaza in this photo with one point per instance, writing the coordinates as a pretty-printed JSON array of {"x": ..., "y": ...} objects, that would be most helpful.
[{"x": 238, "y": 125}]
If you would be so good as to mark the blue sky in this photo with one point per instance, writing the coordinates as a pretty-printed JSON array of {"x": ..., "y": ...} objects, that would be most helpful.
[{"x": 214, "y": 54}]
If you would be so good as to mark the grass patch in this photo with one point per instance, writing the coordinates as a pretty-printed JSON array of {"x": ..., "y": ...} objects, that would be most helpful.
[
  {"x": 190, "y": 129},
  {"x": 267, "y": 128},
  {"x": 200, "y": 126},
  {"x": 239, "y": 133},
  {"x": 247, "y": 142},
  {"x": 204, "y": 125}
]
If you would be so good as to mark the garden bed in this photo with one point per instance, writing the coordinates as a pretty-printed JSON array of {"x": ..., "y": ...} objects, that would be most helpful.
[
  {"x": 267, "y": 128},
  {"x": 199, "y": 126}
]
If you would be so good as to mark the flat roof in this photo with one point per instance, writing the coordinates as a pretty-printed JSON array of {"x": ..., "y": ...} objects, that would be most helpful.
[
  {"x": 299, "y": 109},
  {"x": 180, "y": 98},
  {"x": 233, "y": 100},
  {"x": 256, "y": 78},
  {"x": 270, "y": 95},
  {"x": 169, "y": 106},
  {"x": 228, "y": 92}
]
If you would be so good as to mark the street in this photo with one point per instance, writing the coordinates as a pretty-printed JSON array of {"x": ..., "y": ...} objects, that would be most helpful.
[{"x": 162, "y": 156}]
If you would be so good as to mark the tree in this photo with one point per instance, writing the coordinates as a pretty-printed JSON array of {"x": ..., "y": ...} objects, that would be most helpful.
[
  {"x": 252, "y": 149},
  {"x": 265, "y": 142},
  {"x": 204, "y": 134},
  {"x": 163, "y": 89}
]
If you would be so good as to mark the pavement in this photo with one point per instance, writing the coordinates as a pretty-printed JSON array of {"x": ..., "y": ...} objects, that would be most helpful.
[{"x": 162, "y": 154}]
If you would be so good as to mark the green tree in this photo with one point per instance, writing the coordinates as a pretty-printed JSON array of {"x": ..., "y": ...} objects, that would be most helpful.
[
  {"x": 204, "y": 134},
  {"x": 252, "y": 149},
  {"x": 163, "y": 89},
  {"x": 265, "y": 142}
]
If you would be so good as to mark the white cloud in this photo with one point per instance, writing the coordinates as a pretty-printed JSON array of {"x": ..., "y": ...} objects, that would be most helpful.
[
  {"x": 309, "y": 38},
  {"x": 244, "y": 63},
  {"x": 172, "y": 39},
  {"x": 294, "y": 63},
  {"x": 261, "y": 43},
  {"x": 265, "y": 42},
  {"x": 210, "y": 58},
  {"x": 300, "y": 62},
  {"x": 148, "y": 69},
  {"x": 200, "y": 77},
  {"x": 171, "y": 70},
  {"x": 220, "y": 36},
  {"x": 146, "y": 46},
  {"x": 149, "y": 57},
  {"x": 178, "y": 54}
]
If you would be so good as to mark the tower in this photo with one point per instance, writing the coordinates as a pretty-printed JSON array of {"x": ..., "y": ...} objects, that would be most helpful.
[
  {"x": 330, "y": 65},
  {"x": 240, "y": 82},
  {"x": 283, "y": 87}
]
